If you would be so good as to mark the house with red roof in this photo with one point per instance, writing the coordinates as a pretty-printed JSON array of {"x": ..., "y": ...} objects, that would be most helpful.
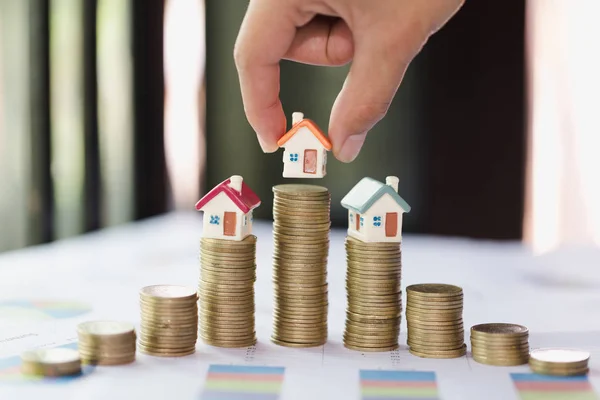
[
  {"x": 306, "y": 148},
  {"x": 228, "y": 210}
]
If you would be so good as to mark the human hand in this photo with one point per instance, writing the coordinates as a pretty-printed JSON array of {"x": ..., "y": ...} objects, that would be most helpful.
[{"x": 380, "y": 37}]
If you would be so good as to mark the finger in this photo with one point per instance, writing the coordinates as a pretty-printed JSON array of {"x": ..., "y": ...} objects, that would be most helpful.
[
  {"x": 265, "y": 36},
  {"x": 376, "y": 73},
  {"x": 323, "y": 41}
]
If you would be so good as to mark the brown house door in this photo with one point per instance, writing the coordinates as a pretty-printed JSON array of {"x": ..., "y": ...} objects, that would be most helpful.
[
  {"x": 391, "y": 224},
  {"x": 310, "y": 161},
  {"x": 229, "y": 223},
  {"x": 358, "y": 222}
]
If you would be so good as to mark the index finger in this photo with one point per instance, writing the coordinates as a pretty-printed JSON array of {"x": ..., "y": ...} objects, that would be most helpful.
[{"x": 265, "y": 36}]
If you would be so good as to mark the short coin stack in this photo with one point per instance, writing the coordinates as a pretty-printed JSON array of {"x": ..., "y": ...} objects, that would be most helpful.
[
  {"x": 374, "y": 297},
  {"x": 226, "y": 292},
  {"x": 559, "y": 362},
  {"x": 500, "y": 344},
  {"x": 434, "y": 319},
  {"x": 51, "y": 362},
  {"x": 169, "y": 325},
  {"x": 301, "y": 233},
  {"x": 106, "y": 342}
]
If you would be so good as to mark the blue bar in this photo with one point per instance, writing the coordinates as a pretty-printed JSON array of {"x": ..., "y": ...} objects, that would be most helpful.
[
  {"x": 526, "y": 377},
  {"x": 411, "y": 376},
  {"x": 245, "y": 369},
  {"x": 399, "y": 398},
  {"x": 215, "y": 395}
]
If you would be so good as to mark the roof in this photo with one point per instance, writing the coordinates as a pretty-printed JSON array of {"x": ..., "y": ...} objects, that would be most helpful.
[
  {"x": 368, "y": 191},
  {"x": 312, "y": 127},
  {"x": 245, "y": 201}
]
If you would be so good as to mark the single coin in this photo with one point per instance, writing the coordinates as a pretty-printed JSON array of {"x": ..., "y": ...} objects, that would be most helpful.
[
  {"x": 434, "y": 289},
  {"x": 499, "y": 329},
  {"x": 283, "y": 343},
  {"x": 440, "y": 354},
  {"x": 51, "y": 362},
  {"x": 168, "y": 292},
  {"x": 166, "y": 353},
  {"x": 560, "y": 356},
  {"x": 370, "y": 349}
]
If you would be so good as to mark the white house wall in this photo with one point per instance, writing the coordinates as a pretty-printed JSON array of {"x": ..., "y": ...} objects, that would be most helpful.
[
  {"x": 371, "y": 233},
  {"x": 302, "y": 140},
  {"x": 217, "y": 207}
]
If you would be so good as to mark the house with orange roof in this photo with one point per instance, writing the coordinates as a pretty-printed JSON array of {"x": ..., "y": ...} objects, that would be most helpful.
[{"x": 306, "y": 148}]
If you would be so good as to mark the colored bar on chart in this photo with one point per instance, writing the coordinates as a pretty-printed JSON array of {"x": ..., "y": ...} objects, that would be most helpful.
[
  {"x": 398, "y": 385},
  {"x": 544, "y": 387},
  {"x": 242, "y": 382}
]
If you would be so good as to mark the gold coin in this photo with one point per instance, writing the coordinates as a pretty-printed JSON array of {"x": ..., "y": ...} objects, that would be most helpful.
[
  {"x": 436, "y": 338},
  {"x": 439, "y": 354},
  {"x": 302, "y": 190},
  {"x": 284, "y": 343},
  {"x": 370, "y": 349},
  {"x": 434, "y": 289},
  {"x": 168, "y": 293},
  {"x": 555, "y": 359},
  {"x": 500, "y": 361},
  {"x": 229, "y": 343},
  {"x": 500, "y": 329},
  {"x": 166, "y": 353}
]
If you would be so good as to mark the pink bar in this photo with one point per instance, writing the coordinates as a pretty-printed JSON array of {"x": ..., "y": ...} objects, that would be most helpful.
[
  {"x": 398, "y": 384},
  {"x": 227, "y": 376},
  {"x": 554, "y": 386}
]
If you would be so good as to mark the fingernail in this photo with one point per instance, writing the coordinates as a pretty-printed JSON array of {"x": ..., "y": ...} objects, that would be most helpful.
[
  {"x": 351, "y": 147},
  {"x": 265, "y": 147}
]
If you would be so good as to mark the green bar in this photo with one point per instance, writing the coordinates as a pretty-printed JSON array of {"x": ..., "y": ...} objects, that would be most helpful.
[
  {"x": 392, "y": 392},
  {"x": 540, "y": 395},
  {"x": 244, "y": 386}
]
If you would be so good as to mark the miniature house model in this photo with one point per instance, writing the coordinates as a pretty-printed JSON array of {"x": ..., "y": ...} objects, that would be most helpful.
[
  {"x": 306, "y": 147},
  {"x": 228, "y": 210},
  {"x": 375, "y": 210}
]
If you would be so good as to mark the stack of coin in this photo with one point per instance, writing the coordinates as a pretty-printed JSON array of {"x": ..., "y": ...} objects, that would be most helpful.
[
  {"x": 226, "y": 292},
  {"x": 301, "y": 233},
  {"x": 374, "y": 297},
  {"x": 434, "y": 319},
  {"x": 169, "y": 325},
  {"x": 106, "y": 342},
  {"x": 51, "y": 362},
  {"x": 559, "y": 362},
  {"x": 500, "y": 344}
]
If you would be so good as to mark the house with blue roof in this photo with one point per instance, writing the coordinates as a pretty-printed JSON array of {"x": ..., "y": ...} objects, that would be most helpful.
[{"x": 375, "y": 210}]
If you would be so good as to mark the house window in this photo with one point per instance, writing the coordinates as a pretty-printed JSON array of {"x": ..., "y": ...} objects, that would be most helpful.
[
  {"x": 294, "y": 157},
  {"x": 351, "y": 218},
  {"x": 376, "y": 221},
  {"x": 362, "y": 221},
  {"x": 245, "y": 219},
  {"x": 215, "y": 220}
]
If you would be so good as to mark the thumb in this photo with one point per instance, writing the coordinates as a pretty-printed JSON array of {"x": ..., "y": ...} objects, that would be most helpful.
[{"x": 375, "y": 75}]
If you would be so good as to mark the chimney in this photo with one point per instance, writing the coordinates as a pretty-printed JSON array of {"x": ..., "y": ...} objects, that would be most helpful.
[
  {"x": 235, "y": 182},
  {"x": 297, "y": 117},
  {"x": 393, "y": 182}
]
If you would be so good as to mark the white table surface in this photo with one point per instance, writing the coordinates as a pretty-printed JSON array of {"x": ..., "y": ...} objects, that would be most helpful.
[{"x": 557, "y": 296}]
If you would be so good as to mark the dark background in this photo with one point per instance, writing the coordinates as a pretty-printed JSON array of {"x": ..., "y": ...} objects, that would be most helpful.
[{"x": 454, "y": 135}]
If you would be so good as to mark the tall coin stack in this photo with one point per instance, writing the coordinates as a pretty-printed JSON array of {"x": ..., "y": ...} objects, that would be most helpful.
[
  {"x": 500, "y": 344},
  {"x": 169, "y": 325},
  {"x": 374, "y": 297},
  {"x": 226, "y": 292},
  {"x": 301, "y": 233},
  {"x": 434, "y": 319},
  {"x": 106, "y": 342}
]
